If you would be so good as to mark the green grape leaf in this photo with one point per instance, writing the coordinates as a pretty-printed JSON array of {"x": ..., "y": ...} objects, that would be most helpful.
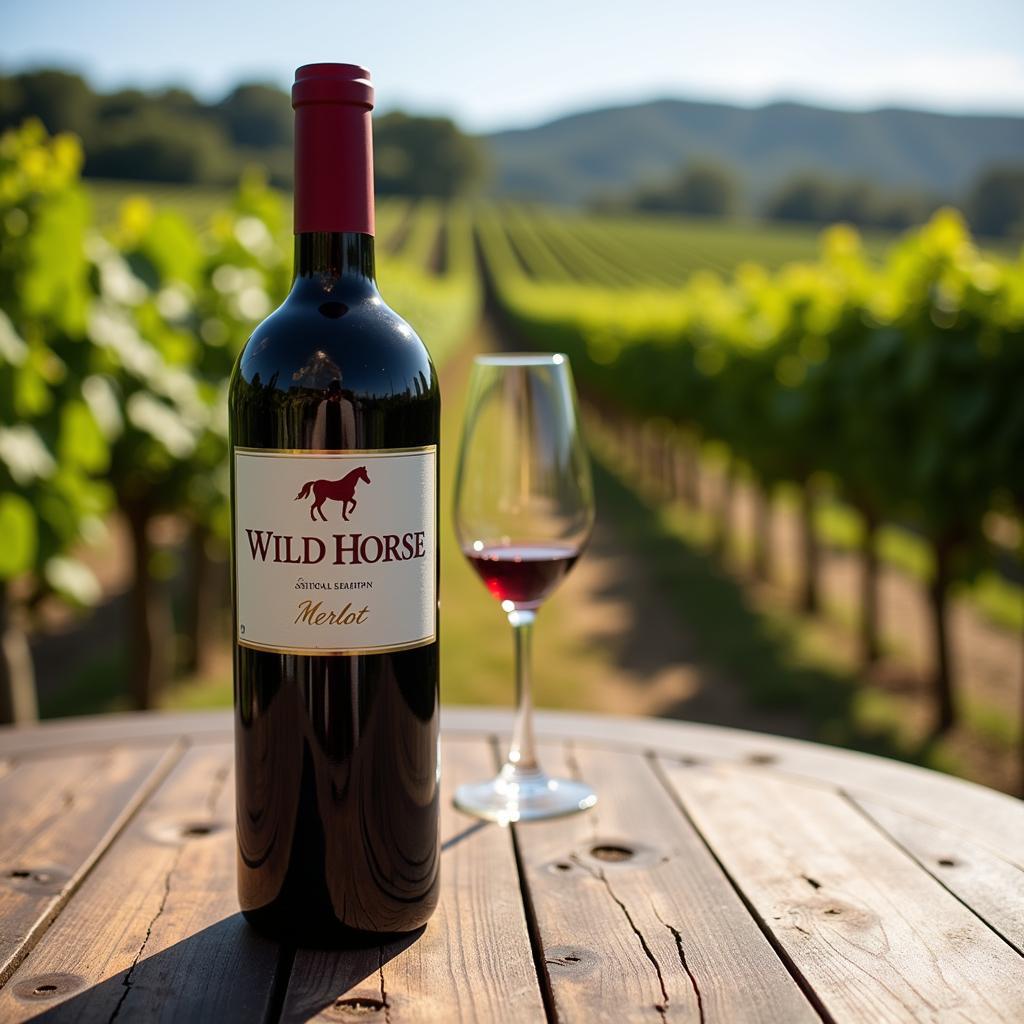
[
  {"x": 20, "y": 535},
  {"x": 82, "y": 443}
]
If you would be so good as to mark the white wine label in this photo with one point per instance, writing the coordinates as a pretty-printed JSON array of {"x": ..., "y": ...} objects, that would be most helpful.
[{"x": 335, "y": 552}]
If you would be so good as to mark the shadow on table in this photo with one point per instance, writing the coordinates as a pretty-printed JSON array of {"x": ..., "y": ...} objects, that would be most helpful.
[{"x": 226, "y": 972}]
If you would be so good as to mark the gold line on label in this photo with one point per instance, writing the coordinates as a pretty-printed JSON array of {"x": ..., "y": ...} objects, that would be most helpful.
[
  {"x": 320, "y": 452},
  {"x": 317, "y": 652}
]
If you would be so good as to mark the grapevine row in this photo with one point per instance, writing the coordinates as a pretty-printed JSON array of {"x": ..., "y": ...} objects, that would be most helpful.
[
  {"x": 115, "y": 350},
  {"x": 894, "y": 382}
]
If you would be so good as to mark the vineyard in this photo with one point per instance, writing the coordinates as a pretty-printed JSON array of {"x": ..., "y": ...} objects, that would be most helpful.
[
  {"x": 116, "y": 347},
  {"x": 868, "y": 386},
  {"x": 888, "y": 383}
]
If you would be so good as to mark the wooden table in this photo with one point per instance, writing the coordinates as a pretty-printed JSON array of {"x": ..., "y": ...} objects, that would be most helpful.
[{"x": 724, "y": 876}]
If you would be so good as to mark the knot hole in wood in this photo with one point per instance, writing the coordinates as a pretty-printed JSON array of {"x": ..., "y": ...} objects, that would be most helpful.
[
  {"x": 173, "y": 832},
  {"x": 47, "y": 986},
  {"x": 43, "y": 879},
  {"x": 612, "y": 852},
  {"x": 358, "y": 1006}
]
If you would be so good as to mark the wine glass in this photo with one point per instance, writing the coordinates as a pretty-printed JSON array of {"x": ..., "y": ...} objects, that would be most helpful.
[{"x": 524, "y": 509}]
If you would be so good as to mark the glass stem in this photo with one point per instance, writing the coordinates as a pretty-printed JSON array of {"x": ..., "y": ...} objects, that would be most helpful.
[{"x": 522, "y": 756}]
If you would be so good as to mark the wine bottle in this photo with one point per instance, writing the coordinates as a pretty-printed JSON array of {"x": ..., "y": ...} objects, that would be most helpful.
[{"x": 334, "y": 419}]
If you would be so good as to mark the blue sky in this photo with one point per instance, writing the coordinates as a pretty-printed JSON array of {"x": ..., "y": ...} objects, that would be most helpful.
[{"x": 497, "y": 63}]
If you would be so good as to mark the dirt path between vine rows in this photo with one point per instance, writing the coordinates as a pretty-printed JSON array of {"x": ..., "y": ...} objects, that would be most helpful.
[{"x": 988, "y": 659}]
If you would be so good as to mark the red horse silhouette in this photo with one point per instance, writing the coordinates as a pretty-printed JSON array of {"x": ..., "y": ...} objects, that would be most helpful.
[{"x": 342, "y": 490}]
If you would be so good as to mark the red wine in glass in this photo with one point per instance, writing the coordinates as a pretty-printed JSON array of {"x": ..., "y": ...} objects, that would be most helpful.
[{"x": 523, "y": 574}]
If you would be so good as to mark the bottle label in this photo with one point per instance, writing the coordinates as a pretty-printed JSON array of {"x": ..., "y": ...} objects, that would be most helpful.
[{"x": 335, "y": 552}]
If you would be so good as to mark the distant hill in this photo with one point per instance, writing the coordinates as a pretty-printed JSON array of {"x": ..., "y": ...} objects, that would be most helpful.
[{"x": 604, "y": 151}]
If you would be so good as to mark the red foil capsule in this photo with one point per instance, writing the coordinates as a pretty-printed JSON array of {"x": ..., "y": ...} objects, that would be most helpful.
[{"x": 333, "y": 148}]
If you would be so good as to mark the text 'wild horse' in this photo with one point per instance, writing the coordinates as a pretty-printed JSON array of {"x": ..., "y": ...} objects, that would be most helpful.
[{"x": 343, "y": 490}]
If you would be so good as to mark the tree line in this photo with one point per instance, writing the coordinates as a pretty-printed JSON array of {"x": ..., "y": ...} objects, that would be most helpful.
[
  {"x": 170, "y": 135},
  {"x": 994, "y": 203}
]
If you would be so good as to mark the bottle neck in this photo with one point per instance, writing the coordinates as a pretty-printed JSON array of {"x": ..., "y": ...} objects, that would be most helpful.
[
  {"x": 333, "y": 169},
  {"x": 332, "y": 259},
  {"x": 333, "y": 180}
]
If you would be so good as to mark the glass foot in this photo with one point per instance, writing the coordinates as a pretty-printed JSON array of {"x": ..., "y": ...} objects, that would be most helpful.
[{"x": 524, "y": 796}]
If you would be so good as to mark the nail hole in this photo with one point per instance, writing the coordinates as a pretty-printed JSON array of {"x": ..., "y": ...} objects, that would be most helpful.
[
  {"x": 47, "y": 986},
  {"x": 359, "y": 1005},
  {"x": 577, "y": 959},
  {"x": 609, "y": 852},
  {"x": 173, "y": 831},
  {"x": 19, "y": 873},
  {"x": 833, "y": 910},
  {"x": 562, "y": 866},
  {"x": 947, "y": 862}
]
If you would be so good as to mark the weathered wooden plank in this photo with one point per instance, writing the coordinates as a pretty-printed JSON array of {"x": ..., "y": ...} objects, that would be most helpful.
[
  {"x": 154, "y": 932},
  {"x": 636, "y": 919},
  {"x": 473, "y": 961},
  {"x": 58, "y": 817},
  {"x": 991, "y": 886},
  {"x": 152, "y": 929},
  {"x": 995, "y": 819},
  {"x": 872, "y": 934}
]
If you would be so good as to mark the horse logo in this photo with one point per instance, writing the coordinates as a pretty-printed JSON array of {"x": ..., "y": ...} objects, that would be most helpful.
[{"x": 343, "y": 490}]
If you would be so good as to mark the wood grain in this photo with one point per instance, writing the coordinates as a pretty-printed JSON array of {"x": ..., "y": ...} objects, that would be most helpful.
[
  {"x": 58, "y": 817},
  {"x": 637, "y": 920},
  {"x": 889, "y": 892},
  {"x": 153, "y": 933},
  {"x": 994, "y": 819},
  {"x": 473, "y": 961},
  {"x": 991, "y": 886},
  {"x": 874, "y": 936}
]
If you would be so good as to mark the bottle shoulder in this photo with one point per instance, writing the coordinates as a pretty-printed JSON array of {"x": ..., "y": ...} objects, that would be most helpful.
[{"x": 352, "y": 341}]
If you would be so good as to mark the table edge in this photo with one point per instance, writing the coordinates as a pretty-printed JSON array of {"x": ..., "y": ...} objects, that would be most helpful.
[{"x": 666, "y": 736}]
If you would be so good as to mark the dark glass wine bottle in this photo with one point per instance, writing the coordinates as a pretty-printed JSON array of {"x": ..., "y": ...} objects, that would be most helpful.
[{"x": 334, "y": 418}]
